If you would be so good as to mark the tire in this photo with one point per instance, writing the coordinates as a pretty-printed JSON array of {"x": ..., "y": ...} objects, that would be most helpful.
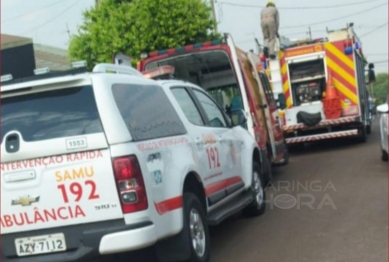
[
  {"x": 267, "y": 172},
  {"x": 258, "y": 204},
  {"x": 362, "y": 134},
  {"x": 298, "y": 147},
  {"x": 197, "y": 228},
  {"x": 286, "y": 155},
  {"x": 285, "y": 159},
  {"x": 368, "y": 129},
  {"x": 384, "y": 155}
]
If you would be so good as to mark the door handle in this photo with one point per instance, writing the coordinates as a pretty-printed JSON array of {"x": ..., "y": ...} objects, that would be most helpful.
[
  {"x": 199, "y": 142},
  {"x": 221, "y": 139}
]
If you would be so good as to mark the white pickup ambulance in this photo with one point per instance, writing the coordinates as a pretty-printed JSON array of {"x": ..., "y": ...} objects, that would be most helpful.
[{"x": 97, "y": 163}]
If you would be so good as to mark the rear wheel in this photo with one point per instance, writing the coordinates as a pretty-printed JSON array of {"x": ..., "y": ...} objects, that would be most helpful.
[
  {"x": 267, "y": 172},
  {"x": 285, "y": 160},
  {"x": 257, "y": 206},
  {"x": 195, "y": 224},
  {"x": 362, "y": 134},
  {"x": 368, "y": 129},
  {"x": 384, "y": 155}
]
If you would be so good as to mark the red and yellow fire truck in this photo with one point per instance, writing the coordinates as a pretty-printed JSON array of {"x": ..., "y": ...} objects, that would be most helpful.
[{"x": 321, "y": 88}]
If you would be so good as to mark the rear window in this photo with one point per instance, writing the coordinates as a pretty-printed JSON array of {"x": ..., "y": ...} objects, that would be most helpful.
[
  {"x": 51, "y": 114},
  {"x": 147, "y": 111}
]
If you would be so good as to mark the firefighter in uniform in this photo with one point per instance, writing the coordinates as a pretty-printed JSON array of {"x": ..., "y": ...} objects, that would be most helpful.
[{"x": 270, "y": 22}]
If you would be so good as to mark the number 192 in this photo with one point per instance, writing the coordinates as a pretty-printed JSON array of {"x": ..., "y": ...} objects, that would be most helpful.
[{"x": 213, "y": 157}]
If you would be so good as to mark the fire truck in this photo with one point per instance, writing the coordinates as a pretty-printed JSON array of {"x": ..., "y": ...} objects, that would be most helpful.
[{"x": 320, "y": 87}]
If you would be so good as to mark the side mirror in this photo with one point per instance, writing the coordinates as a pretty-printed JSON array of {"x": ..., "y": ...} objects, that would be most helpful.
[
  {"x": 383, "y": 109},
  {"x": 371, "y": 73},
  {"x": 281, "y": 104},
  {"x": 238, "y": 117}
]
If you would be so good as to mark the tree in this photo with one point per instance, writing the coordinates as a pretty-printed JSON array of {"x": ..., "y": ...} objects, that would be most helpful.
[
  {"x": 136, "y": 26},
  {"x": 380, "y": 88}
]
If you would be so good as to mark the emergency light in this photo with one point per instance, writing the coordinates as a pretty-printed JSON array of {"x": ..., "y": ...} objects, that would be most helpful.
[
  {"x": 159, "y": 71},
  {"x": 348, "y": 47},
  {"x": 181, "y": 49}
]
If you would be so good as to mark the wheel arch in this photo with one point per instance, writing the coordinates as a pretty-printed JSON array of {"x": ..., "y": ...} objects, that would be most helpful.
[
  {"x": 177, "y": 248},
  {"x": 194, "y": 184}
]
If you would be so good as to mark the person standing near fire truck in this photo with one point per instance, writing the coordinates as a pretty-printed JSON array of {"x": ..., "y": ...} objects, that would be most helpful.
[{"x": 270, "y": 22}]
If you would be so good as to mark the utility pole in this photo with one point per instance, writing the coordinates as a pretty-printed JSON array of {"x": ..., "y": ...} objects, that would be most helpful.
[
  {"x": 68, "y": 31},
  {"x": 310, "y": 33},
  {"x": 213, "y": 12}
]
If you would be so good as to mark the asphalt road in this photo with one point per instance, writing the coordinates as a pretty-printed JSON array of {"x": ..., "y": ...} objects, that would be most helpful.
[
  {"x": 347, "y": 221},
  {"x": 330, "y": 204}
]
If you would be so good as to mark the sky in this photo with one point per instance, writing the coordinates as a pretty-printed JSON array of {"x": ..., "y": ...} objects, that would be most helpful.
[{"x": 52, "y": 22}]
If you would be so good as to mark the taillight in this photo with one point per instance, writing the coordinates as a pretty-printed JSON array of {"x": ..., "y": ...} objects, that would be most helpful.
[{"x": 130, "y": 184}]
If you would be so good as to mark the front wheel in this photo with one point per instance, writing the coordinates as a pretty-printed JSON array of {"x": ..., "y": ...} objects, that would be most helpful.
[
  {"x": 257, "y": 205},
  {"x": 195, "y": 224}
]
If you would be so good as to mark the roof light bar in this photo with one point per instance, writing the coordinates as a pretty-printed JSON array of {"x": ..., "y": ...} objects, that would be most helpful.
[
  {"x": 79, "y": 64},
  {"x": 41, "y": 71},
  {"x": 183, "y": 48}
]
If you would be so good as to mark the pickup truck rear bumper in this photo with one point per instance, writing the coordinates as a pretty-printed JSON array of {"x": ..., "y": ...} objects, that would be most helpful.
[{"x": 85, "y": 241}]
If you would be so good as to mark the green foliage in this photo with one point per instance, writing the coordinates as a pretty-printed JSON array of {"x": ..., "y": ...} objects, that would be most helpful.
[
  {"x": 136, "y": 26},
  {"x": 380, "y": 88}
]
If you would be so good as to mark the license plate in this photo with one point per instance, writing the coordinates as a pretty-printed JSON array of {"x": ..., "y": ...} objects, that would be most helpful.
[{"x": 40, "y": 244}]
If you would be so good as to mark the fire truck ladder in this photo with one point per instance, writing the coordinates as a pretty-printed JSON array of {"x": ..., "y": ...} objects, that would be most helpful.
[{"x": 274, "y": 69}]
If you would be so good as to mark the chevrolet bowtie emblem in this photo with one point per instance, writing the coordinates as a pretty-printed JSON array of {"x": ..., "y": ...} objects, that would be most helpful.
[{"x": 25, "y": 201}]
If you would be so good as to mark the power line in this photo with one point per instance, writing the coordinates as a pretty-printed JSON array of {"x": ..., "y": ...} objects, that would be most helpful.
[
  {"x": 336, "y": 19},
  {"x": 380, "y": 62},
  {"x": 33, "y": 12},
  {"x": 375, "y": 29},
  {"x": 302, "y": 7},
  {"x": 53, "y": 18}
]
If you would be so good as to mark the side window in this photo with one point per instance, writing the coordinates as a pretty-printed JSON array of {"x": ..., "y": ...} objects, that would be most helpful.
[
  {"x": 147, "y": 111},
  {"x": 212, "y": 111},
  {"x": 266, "y": 86},
  {"x": 187, "y": 105}
]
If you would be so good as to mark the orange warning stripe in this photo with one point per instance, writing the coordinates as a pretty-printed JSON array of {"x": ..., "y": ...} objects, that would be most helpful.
[
  {"x": 342, "y": 69},
  {"x": 285, "y": 80}
]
